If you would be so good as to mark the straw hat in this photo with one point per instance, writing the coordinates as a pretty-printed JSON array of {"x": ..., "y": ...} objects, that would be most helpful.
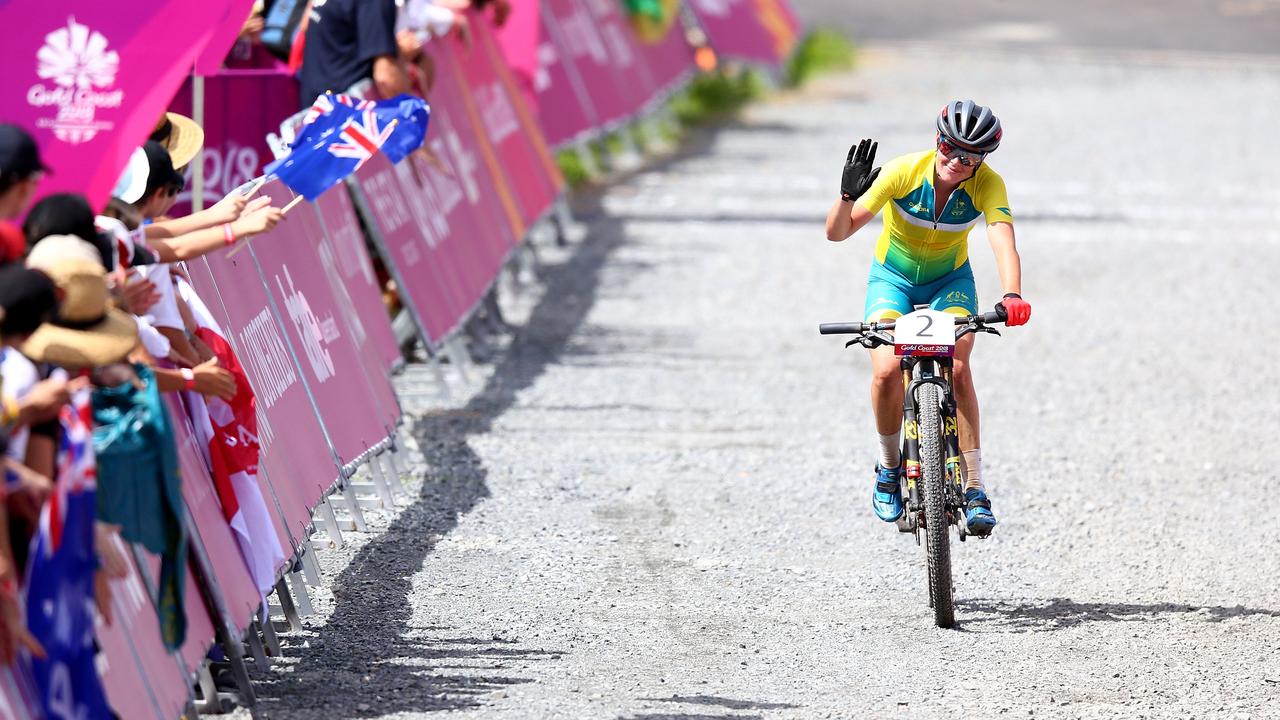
[
  {"x": 180, "y": 135},
  {"x": 85, "y": 331}
]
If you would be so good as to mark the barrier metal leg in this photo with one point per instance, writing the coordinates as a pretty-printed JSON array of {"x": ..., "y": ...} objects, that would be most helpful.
[
  {"x": 310, "y": 566},
  {"x": 458, "y": 356},
  {"x": 564, "y": 222},
  {"x": 330, "y": 523},
  {"x": 287, "y": 606},
  {"x": 398, "y": 461},
  {"x": 493, "y": 313},
  {"x": 477, "y": 332},
  {"x": 587, "y": 159},
  {"x": 380, "y": 483},
  {"x": 630, "y": 157},
  {"x": 269, "y": 637},
  {"x": 211, "y": 705},
  {"x": 239, "y": 670},
  {"x": 254, "y": 636},
  {"x": 301, "y": 596},
  {"x": 231, "y": 645},
  {"x": 392, "y": 473},
  {"x": 353, "y": 506},
  {"x": 441, "y": 381},
  {"x": 651, "y": 128}
]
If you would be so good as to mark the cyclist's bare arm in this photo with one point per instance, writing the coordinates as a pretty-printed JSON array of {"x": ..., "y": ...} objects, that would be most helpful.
[
  {"x": 847, "y": 218},
  {"x": 1008, "y": 263}
]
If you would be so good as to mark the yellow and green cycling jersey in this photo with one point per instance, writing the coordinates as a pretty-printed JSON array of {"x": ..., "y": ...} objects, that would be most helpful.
[{"x": 917, "y": 243}]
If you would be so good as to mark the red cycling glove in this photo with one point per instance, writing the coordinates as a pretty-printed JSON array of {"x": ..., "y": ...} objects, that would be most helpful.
[{"x": 1015, "y": 308}]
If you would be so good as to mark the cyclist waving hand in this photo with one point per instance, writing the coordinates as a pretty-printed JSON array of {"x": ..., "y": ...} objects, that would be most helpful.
[{"x": 935, "y": 198}]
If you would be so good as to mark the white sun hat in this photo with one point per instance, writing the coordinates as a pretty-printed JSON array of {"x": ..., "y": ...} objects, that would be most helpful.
[{"x": 133, "y": 181}]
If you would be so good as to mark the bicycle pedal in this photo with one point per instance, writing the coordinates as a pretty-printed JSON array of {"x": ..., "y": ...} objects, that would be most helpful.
[{"x": 904, "y": 523}]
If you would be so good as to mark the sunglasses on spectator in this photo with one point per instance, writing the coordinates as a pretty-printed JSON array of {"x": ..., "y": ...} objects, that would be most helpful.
[{"x": 967, "y": 158}]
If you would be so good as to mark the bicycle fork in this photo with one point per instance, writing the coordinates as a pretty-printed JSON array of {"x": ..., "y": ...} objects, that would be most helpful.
[{"x": 953, "y": 470}]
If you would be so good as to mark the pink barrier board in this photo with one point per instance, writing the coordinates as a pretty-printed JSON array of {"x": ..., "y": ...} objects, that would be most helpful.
[
  {"x": 353, "y": 268},
  {"x": 295, "y": 457},
  {"x": 669, "y": 59},
  {"x": 333, "y": 370},
  {"x": 230, "y": 573},
  {"x": 445, "y": 229},
  {"x": 379, "y": 391},
  {"x": 630, "y": 71},
  {"x": 409, "y": 248},
  {"x": 141, "y": 678},
  {"x": 760, "y": 31},
  {"x": 18, "y": 695},
  {"x": 590, "y": 56},
  {"x": 240, "y": 108},
  {"x": 564, "y": 108},
  {"x": 508, "y": 124}
]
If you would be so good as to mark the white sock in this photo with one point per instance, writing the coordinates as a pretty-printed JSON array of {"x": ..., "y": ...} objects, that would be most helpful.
[
  {"x": 891, "y": 450},
  {"x": 971, "y": 461}
]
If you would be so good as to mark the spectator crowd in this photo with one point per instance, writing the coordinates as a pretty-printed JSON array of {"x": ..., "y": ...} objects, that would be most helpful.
[{"x": 103, "y": 336}]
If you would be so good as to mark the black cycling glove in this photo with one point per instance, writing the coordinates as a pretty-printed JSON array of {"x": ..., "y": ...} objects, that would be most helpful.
[{"x": 858, "y": 175}]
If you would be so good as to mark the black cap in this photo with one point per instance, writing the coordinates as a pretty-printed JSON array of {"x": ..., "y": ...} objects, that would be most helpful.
[
  {"x": 27, "y": 297},
  {"x": 160, "y": 173},
  {"x": 19, "y": 156}
]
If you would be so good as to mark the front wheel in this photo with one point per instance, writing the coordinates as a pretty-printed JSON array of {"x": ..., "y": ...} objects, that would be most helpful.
[{"x": 937, "y": 533}]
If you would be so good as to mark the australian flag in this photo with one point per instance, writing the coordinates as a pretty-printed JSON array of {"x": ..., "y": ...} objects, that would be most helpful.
[
  {"x": 340, "y": 134},
  {"x": 60, "y": 578}
]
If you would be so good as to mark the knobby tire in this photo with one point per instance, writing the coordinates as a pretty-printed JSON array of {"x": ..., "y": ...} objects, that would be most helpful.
[{"x": 937, "y": 530}]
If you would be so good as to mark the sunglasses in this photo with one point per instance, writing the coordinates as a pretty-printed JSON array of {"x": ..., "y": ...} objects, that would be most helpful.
[{"x": 967, "y": 158}]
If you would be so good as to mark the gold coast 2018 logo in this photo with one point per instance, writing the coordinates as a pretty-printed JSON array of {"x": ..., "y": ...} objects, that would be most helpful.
[{"x": 82, "y": 71}]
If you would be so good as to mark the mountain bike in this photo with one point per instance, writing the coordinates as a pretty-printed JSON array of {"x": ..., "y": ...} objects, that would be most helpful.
[{"x": 934, "y": 498}]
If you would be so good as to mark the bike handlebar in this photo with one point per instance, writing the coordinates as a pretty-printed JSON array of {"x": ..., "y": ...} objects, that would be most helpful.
[{"x": 856, "y": 328}]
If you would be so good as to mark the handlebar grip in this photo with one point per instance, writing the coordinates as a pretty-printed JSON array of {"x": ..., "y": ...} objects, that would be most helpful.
[
  {"x": 845, "y": 328},
  {"x": 994, "y": 316}
]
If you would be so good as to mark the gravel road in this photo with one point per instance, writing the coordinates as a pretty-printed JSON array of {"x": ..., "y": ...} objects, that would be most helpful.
[{"x": 655, "y": 502}]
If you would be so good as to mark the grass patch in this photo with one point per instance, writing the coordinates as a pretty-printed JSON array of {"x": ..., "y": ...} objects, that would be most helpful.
[
  {"x": 571, "y": 167},
  {"x": 820, "y": 51},
  {"x": 716, "y": 94}
]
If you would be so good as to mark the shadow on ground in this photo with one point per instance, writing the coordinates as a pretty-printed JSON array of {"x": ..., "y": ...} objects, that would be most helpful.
[
  {"x": 368, "y": 660},
  {"x": 1059, "y": 613}
]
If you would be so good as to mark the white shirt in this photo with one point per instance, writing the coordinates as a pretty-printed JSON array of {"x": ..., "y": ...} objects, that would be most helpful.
[{"x": 425, "y": 18}]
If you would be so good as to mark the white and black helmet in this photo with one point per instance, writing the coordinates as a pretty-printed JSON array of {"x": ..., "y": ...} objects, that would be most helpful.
[{"x": 970, "y": 125}]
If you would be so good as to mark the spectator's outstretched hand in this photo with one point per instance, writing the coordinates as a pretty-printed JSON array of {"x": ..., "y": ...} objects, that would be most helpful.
[
  {"x": 138, "y": 294},
  {"x": 212, "y": 380},
  {"x": 112, "y": 566},
  {"x": 31, "y": 491},
  {"x": 228, "y": 209},
  {"x": 258, "y": 217},
  {"x": 14, "y": 635},
  {"x": 47, "y": 397}
]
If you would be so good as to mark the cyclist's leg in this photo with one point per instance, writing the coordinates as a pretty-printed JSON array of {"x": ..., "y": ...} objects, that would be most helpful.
[
  {"x": 956, "y": 294},
  {"x": 886, "y": 300}
]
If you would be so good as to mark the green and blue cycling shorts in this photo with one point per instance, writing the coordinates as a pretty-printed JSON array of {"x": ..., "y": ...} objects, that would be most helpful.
[{"x": 890, "y": 295}]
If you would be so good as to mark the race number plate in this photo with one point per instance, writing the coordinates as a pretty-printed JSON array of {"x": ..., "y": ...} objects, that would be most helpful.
[{"x": 928, "y": 333}]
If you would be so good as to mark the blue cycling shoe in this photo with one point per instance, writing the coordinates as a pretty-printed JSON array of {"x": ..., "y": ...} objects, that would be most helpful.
[
  {"x": 887, "y": 499},
  {"x": 978, "y": 518}
]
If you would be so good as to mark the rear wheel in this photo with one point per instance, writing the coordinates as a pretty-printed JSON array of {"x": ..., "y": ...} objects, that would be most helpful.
[{"x": 937, "y": 534}]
